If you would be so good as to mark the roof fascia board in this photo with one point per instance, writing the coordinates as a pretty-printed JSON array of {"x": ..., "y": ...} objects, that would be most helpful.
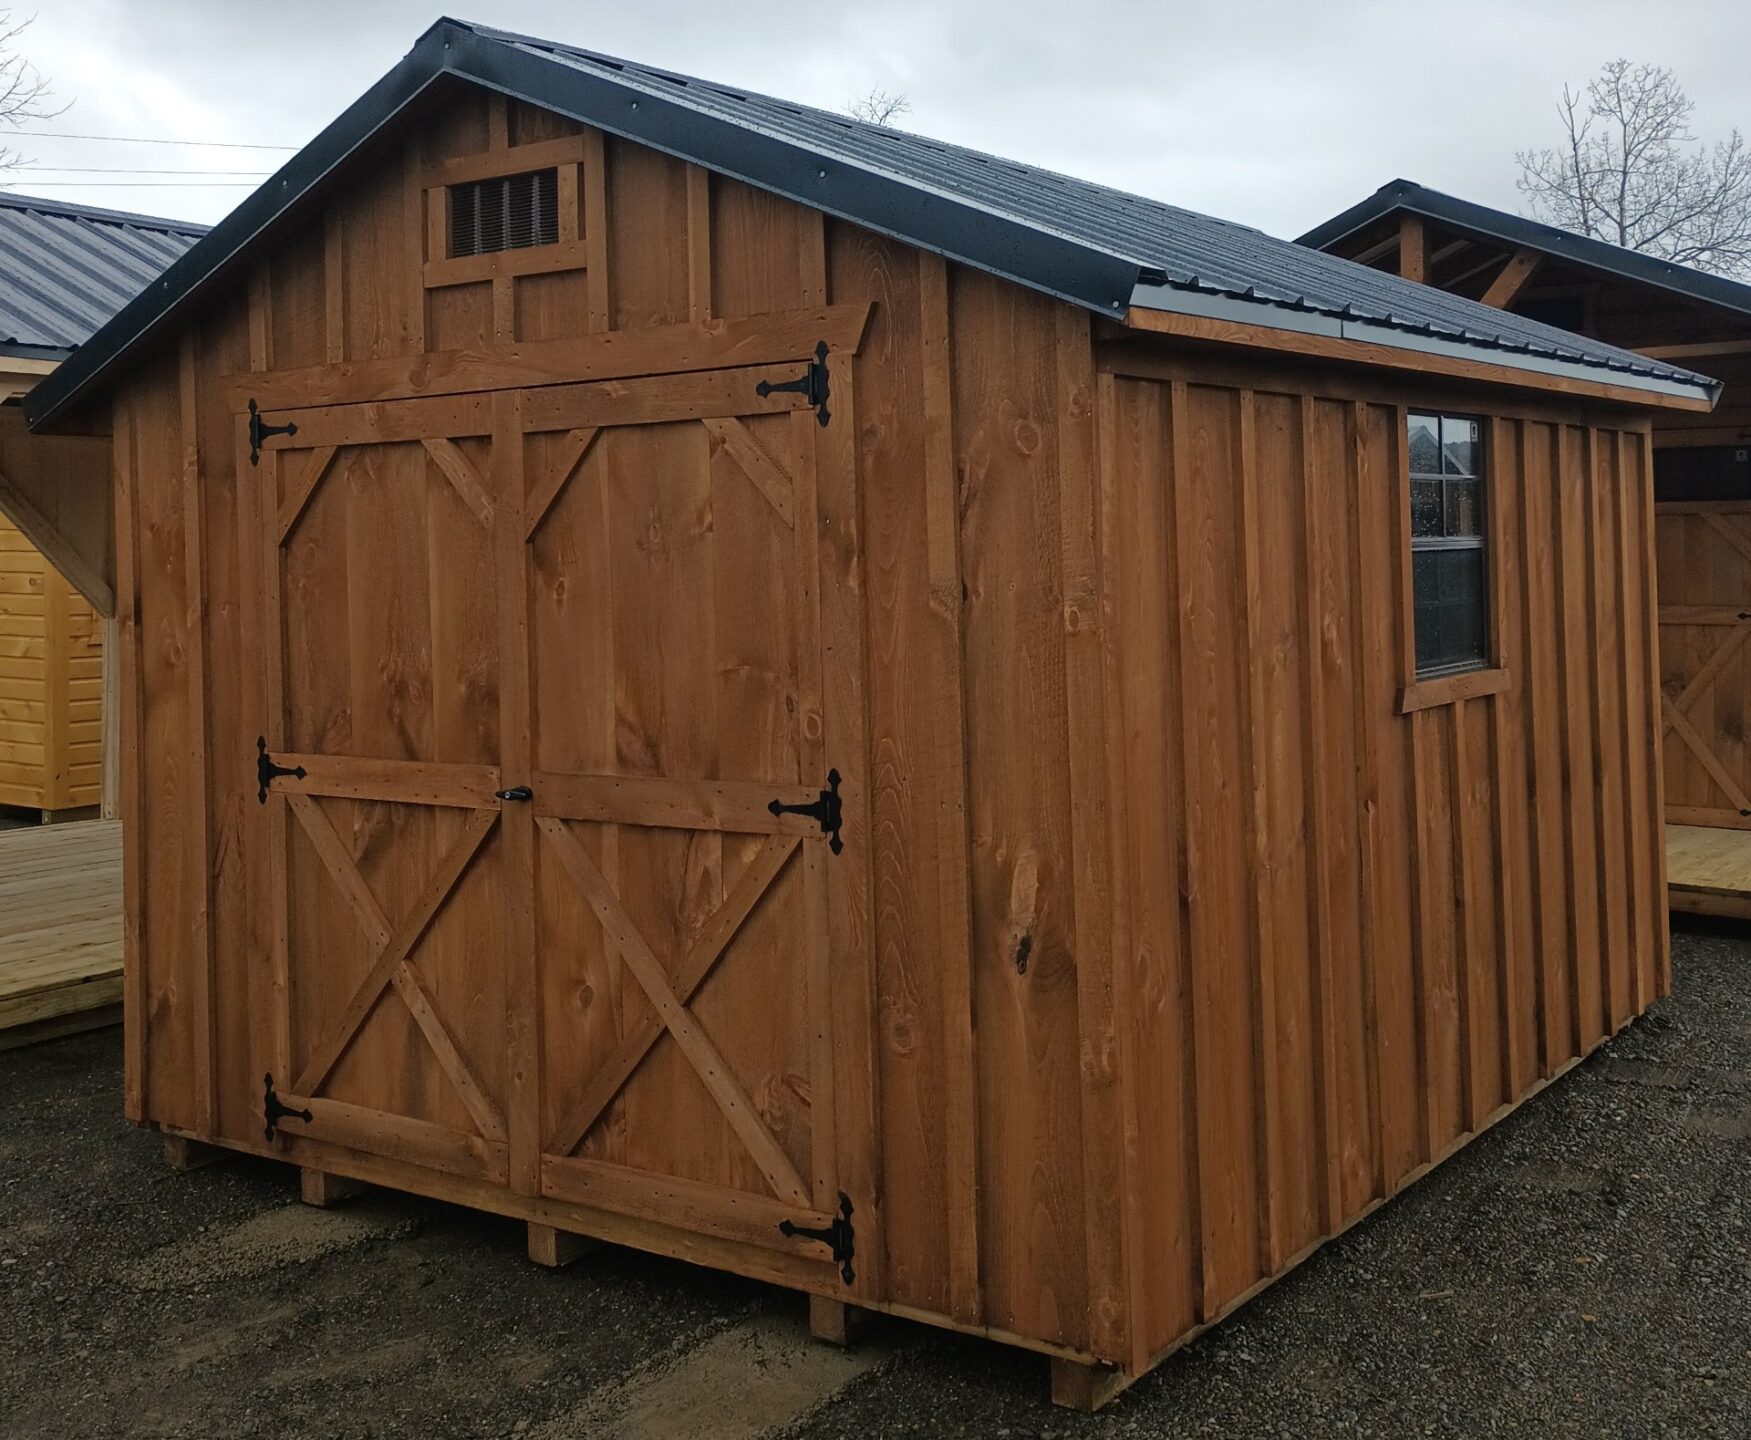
[
  {"x": 214, "y": 253},
  {"x": 1262, "y": 316},
  {"x": 958, "y": 229}
]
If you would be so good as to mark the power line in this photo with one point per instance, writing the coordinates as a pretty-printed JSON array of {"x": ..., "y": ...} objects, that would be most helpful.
[
  {"x": 134, "y": 184},
  {"x": 30, "y": 169},
  {"x": 149, "y": 140}
]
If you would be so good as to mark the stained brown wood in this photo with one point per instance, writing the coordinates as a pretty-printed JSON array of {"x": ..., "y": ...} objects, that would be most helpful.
[{"x": 1174, "y": 924}]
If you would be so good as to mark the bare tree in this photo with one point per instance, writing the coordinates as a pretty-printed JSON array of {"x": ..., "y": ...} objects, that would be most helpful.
[
  {"x": 1631, "y": 171},
  {"x": 878, "y": 107}
]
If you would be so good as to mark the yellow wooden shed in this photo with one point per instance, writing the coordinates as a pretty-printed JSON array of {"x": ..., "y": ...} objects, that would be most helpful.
[{"x": 51, "y": 684}]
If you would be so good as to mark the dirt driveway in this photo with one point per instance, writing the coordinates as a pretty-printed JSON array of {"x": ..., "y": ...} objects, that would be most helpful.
[{"x": 1583, "y": 1270}]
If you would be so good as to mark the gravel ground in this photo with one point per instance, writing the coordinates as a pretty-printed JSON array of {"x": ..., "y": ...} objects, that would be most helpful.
[{"x": 1583, "y": 1270}]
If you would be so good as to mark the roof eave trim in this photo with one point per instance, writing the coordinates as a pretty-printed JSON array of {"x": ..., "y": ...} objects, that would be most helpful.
[{"x": 1265, "y": 316}]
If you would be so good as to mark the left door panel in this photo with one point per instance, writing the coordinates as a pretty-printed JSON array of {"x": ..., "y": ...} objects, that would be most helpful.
[{"x": 382, "y": 885}]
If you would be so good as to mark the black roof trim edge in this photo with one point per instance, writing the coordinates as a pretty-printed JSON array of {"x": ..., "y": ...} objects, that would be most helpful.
[
  {"x": 1517, "y": 230},
  {"x": 959, "y": 229},
  {"x": 212, "y": 254}
]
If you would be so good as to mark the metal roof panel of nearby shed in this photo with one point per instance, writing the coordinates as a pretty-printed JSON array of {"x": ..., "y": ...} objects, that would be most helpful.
[
  {"x": 1095, "y": 246},
  {"x": 66, "y": 269}
]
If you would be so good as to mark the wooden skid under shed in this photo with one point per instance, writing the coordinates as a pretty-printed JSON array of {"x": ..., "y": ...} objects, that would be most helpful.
[{"x": 60, "y": 928}]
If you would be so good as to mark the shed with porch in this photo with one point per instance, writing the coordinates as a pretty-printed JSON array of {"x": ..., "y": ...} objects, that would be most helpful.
[{"x": 798, "y": 697}]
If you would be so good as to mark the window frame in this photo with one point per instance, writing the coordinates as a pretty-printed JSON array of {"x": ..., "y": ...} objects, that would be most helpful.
[
  {"x": 571, "y": 156},
  {"x": 1424, "y": 689}
]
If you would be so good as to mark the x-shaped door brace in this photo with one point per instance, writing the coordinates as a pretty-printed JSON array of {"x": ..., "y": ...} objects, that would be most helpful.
[
  {"x": 391, "y": 945},
  {"x": 670, "y": 1004}
]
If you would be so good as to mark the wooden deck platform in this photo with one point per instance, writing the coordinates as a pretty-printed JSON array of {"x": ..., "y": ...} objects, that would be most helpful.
[
  {"x": 1708, "y": 871},
  {"x": 60, "y": 929}
]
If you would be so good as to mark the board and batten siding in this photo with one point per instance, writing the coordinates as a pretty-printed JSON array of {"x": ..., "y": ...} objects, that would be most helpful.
[
  {"x": 51, "y": 684},
  {"x": 1135, "y": 770},
  {"x": 1351, "y": 937}
]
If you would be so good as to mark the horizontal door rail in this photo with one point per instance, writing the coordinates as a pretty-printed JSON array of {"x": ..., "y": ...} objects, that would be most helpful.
[
  {"x": 606, "y": 355},
  {"x": 398, "y": 1137},
  {"x": 701, "y": 395},
  {"x": 686, "y": 1204},
  {"x": 400, "y": 782},
  {"x": 741, "y": 807}
]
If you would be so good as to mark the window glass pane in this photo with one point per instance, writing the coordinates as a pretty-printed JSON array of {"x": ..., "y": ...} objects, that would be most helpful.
[
  {"x": 1464, "y": 506},
  {"x": 1425, "y": 445},
  {"x": 1460, "y": 442},
  {"x": 1425, "y": 507},
  {"x": 1450, "y": 608}
]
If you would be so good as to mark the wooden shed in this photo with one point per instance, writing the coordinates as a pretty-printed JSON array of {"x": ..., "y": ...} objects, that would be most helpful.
[
  {"x": 1702, "y": 478},
  {"x": 64, "y": 270},
  {"x": 806, "y": 699}
]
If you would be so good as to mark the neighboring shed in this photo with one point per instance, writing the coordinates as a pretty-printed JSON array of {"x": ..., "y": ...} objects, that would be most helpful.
[
  {"x": 863, "y": 698},
  {"x": 1702, "y": 477},
  {"x": 64, "y": 270}
]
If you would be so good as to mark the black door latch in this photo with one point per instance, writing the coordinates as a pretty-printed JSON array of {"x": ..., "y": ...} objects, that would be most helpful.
[
  {"x": 266, "y": 771},
  {"x": 839, "y": 1237},
  {"x": 274, "y": 1110},
  {"x": 811, "y": 384},
  {"x": 516, "y": 792},
  {"x": 827, "y": 812},
  {"x": 259, "y": 431}
]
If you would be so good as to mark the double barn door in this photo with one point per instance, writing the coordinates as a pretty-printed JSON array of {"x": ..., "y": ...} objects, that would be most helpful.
[{"x": 561, "y": 813}]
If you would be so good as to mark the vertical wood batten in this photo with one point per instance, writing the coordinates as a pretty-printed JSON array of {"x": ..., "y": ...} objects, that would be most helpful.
[
  {"x": 1462, "y": 814},
  {"x": 1640, "y": 829},
  {"x": 1607, "y": 710},
  {"x": 1370, "y": 684},
  {"x": 523, "y": 1030},
  {"x": 136, "y": 1094},
  {"x": 1586, "y": 903},
  {"x": 954, "y": 936},
  {"x": 1261, "y": 947},
  {"x": 1321, "y": 985},
  {"x": 1199, "y": 1112},
  {"x": 200, "y": 855},
  {"x": 1425, "y": 921},
  {"x": 1102, "y": 1072},
  {"x": 1657, "y": 771},
  {"x": 1516, "y": 883}
]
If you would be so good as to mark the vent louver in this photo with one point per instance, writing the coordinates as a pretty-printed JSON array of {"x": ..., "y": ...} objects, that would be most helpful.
[{"x": 506, "y": 212}]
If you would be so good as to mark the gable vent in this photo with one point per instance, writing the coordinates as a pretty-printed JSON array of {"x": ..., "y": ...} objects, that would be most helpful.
[{"x": 506, "y": 212}]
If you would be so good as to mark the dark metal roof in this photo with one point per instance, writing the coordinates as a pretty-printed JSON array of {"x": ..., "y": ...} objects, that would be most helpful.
[
  {"x": 1093, "y": 246},
  {"x": 65, "y": 270},
  {"x": 1406, "y": 196}
]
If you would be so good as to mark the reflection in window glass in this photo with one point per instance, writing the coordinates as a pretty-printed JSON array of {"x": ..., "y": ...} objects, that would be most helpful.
[{"x": 1449, "y": 566}]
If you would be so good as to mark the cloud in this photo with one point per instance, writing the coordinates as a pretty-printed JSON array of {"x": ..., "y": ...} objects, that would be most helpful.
[{"x": 1270, "y": 112}]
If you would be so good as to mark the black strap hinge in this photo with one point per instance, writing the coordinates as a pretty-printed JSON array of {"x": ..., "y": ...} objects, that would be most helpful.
[
  {"x": 274, "y": 1109},
  {"x": 828, "y": 812},
  {"x": 259, "y": 431},
  {"x": 838, "y": 1237},
  {"x": 266, "y": 771},
  {"x": 811, "y": 385}
]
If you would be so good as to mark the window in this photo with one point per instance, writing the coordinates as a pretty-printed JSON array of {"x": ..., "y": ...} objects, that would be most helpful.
[
  {"x": 1704, "y": 472},
  {"x": 1449, "y": 566},
  {"x": 505, "y": 212}
]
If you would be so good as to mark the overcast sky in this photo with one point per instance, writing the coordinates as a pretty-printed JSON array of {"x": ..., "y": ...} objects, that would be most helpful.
[{"x": 1277, "y": 113}]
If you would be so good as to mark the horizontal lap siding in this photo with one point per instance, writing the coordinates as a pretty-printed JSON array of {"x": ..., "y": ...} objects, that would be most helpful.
[{"x": 1386, "y": 928}]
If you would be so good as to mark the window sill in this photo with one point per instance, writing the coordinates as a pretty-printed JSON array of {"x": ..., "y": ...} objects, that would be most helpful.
[{"x": 1451, "y": 689}]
